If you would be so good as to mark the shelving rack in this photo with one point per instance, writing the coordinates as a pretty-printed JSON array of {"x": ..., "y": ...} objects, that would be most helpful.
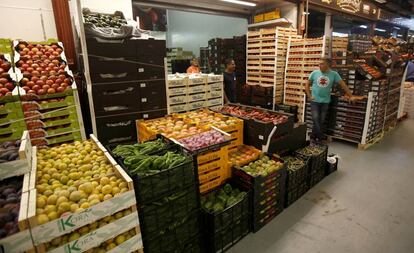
[
  {"x": 303, "y": 57},
  {"x": 266, "y": 59}
]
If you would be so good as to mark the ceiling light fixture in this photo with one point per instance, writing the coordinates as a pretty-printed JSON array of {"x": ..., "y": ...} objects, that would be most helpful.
[
  {"x": 306, "y": 13},
  {"x": 399, "y": 35},
  {"x": 396, "y": 27},
  {"x": 379, "y": 30},
  {"x": 381, "y": 1},
  {"x": 363, "y": 26},
  {"x": 240, "y": 2}
]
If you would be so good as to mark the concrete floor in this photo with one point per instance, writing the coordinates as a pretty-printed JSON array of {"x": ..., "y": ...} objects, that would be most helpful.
[{"x": 367, "y": 206}]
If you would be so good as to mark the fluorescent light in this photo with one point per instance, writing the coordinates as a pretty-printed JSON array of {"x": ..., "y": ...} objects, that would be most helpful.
[
  {"x": 379, "y": 30},
  {"x": 240, "y": 2},
  {"x": 363, "y": 26},
  {"x": 306, "y": 13},
  {"x": 339, "y": 34},
  {"x": 399, "y": 35},
  {"x": 381, "y": 1},
  {"x": 396, "y": 27}
]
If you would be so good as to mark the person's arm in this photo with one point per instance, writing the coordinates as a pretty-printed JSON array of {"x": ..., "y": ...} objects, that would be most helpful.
[
  {"x": 345, "y": 88},
  {"x": 307, "y": 89}
]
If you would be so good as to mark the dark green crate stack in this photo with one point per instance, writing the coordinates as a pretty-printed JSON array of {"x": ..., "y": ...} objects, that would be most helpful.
[
  {"x": 297, "y": 178},
  {"x": 317, "y": 163},
  {"x": 268, "y": 194},
  {"x": 169, "y": 209},
  {"x": 223, "y": 229}
]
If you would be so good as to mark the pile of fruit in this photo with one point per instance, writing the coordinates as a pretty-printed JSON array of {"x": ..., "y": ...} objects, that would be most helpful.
[
  {"x": 9, "y": 151},
  {"x": 10, "y": 194},
  {"x": 43, "y": 69},
  {"x": 113, "y": 242},
  {"x": 253, "y": 113},
  {"x": 208, "y": 118},
  {"x": 172, "y": 128},
  {"x": 262, "y": 167},
  {"x": 203, "y": 140},
  {"x": 104, "y": 20},
  {"x": 243, "y": 155},
  {"x": 4, "y": 66},
  {"x": 219, "y": 200},
  {"x": 372, "y": 71},
  {"x": 73, "y": 177}
]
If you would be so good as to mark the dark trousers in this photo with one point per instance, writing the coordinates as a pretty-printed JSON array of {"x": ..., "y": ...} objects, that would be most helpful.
[{"x": 319, "y": 112}]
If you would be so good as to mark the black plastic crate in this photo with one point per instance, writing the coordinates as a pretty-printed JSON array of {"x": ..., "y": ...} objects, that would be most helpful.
[
  {"x": 317, "y": 162},
  {"x": 272, "y": 208},
  {"x": 215, "y": 222},
  {"x": 293, "y": 194},
  {"x": 149, "y": 188},
  {"x": 224, "y": 239},
  {"x": 260, "y": 223},
  {"x": 316, "y": 177},
  {"x": 157, "y": 216},
  {"x": 297, "y": 173},
  {"x": 177, "y": 238}
]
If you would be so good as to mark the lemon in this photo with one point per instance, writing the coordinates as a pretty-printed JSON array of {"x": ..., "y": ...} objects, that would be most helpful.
[
  {"x": 107, "y": 196},
  {"x": 75, "y": 196},
  {"x": 115, "y": 190},
  {"x": 85, "y": 205},
  {"x": 40, "y": 202},
  {"x": 61, "y": 199},
  {"x": 74, "y": 207},
  {"x": 51, "y": 200},
  {"x": 64, "y": 207},
  {"x": 64, "y": 193},
  {"x": 73, "y": 236},
  {"x": 42, "y": 219},
  {"x": 52, "y": 215},
  {"x": 86, "y": 187},
  {"x": 50, "y": 208},
  {"x": 39, "y": 211},
  {"x": 120, "y": 239},
  {"x": 94, "y": 202},
  {"x": 48, "y": 192},
  {"x": 107, "y": 189},
  {"x": 104, "y": 181}
]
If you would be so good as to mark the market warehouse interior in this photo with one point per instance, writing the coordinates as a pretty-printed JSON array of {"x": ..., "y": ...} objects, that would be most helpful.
[{"x": 206, "y": 126}]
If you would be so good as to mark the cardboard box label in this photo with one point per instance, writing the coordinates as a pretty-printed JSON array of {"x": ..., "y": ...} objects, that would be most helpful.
[
  {"x": 19, "y": 242},
  {"x": 100, "y": 235},
  {"x": 72, "y": 221}
]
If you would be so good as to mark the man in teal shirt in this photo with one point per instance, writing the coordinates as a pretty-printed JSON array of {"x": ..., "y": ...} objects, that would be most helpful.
[{"x": 322, "y": 82}]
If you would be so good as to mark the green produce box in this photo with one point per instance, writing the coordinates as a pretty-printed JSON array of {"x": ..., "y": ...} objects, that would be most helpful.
[
  {"x": 9, "y": 107},
  {"x": 11, "y": 116},
  {"x": 13, "y": 135},
  {"x": 73, "y": 136},
  {"x": 9, "y": 128}
]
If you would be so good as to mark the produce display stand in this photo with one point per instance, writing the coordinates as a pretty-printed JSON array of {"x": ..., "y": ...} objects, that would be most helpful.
[
  {"x": 69, "y": 222},
  {"x": 190, "y": 92},
  {"x": 20, "y": 241},
  {"x": 303, "y": 57},
  {"x": 266, "y": 60}
]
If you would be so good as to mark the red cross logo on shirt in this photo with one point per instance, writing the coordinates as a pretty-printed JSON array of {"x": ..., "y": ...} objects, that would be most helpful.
[{"x": 323, "y": 81}]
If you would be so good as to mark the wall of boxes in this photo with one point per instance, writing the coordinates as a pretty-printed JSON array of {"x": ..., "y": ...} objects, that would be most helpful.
[{"x": 128, "y": 83}]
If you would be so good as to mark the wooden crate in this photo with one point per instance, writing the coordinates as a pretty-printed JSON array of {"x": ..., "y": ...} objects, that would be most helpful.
[{"x": 69, "y": 222}]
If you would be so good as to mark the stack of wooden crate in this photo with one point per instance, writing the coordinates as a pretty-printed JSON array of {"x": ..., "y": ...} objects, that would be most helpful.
[
  {"x": 266, "y": 59},
  {"x": 303, "y": 57},
  {"x": 339, "y": 44}
]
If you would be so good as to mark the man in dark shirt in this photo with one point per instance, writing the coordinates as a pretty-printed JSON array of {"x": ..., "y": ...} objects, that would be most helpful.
[{"x": 230, "y": 81}]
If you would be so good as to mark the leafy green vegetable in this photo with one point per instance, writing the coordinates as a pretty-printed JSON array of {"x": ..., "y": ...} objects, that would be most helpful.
[{"x": 221, "y": 199}]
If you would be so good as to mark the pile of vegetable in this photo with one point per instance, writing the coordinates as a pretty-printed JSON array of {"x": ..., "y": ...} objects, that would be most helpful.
[
  {"x": 9, "y": 151},
  {"x": 294, "y": 163},
  {"x": 202, "y": 140},
  {"x": 219, "y": 200},
  {"x": 312, "y": 150},
  {"x": 243, "y": 155},
  {"x": 262, "y": 167},
  {"x": 144, "y": 148},
  {"x": 145, "y": 165},
  {"x": 104, "y": 20}
]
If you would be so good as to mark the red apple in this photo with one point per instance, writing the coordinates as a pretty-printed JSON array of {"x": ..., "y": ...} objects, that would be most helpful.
[
  {"x": 43, "y": 78},
  {"x": 58, "y": 81},
  {"x": 35, "y": 79},
  {"x": 52, "y": 57},
  {"x": 51, "y": 91},
  {"x": 45, "y": 87},
  {"x": 9, "y": 93},
  {"x": 67, "y": 81},
  {"x": 4, "y": 91},
  {"x": 52, "y": 72},
  {"x": 24, "y": 80},
  {"x": 54, "y": 46},
  {"x": 60, "y": 89},
  {"x": 41, "y": 92},
  {"x": 35, "y": 49},
  {"x": 30, "y": 84},
  {"x": 59, "y": 50},
  {"x": 3, "y": 80},
  {"x": 30, "y": 69},
  {"x": 55, "y": 86},
  {"x": 36, "y": 57},
  {"x": 49, "y": 82},
  {"x": 52, "y": 77},
  {"x": 44, "y": 72},
  {"x": 36, "y": 87},
  {"x": 30, "y": 62},
  {"x": 56, "y": 62},
  {"x": 40, "y": 83},
  {"x": 35, "y": 73},
  {"x": 9, "y": 86},
  {"x": 31, "y": 92}
]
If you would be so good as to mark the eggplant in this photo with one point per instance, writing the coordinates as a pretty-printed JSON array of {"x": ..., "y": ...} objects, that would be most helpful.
[
  {"x": 8, "y": 155},
  {"x": 8, "y": 144},
  {"x": 14, "y": 156}
]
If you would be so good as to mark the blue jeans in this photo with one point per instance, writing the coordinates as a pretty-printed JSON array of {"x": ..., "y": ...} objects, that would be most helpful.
[{"x": 319, "y": 112}]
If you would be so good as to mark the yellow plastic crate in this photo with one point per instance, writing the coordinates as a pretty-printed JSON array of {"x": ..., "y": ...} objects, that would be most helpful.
[{"x": 210, "y": 185}]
